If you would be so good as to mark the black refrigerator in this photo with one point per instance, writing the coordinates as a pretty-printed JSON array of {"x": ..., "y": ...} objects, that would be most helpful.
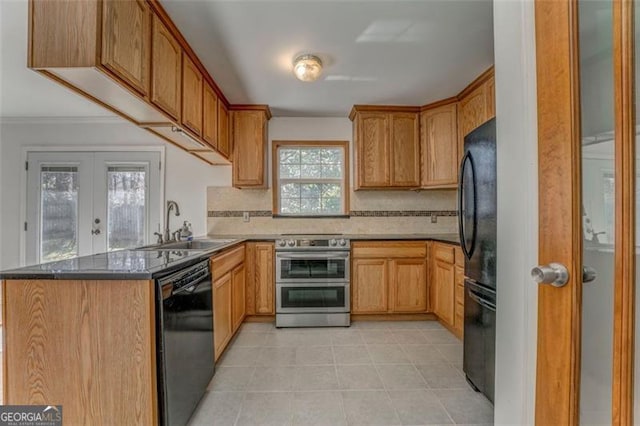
[{"x": 477, "y": 224}]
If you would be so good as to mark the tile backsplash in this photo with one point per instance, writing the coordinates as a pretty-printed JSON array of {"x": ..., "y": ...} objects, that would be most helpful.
[{"x": 372, "y": 212}]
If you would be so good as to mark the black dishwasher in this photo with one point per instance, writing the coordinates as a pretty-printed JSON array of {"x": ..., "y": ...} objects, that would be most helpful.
[{"x": 184, "y": 341}]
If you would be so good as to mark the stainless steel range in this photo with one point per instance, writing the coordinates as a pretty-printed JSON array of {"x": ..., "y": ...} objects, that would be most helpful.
[{"x": 312, "y": 281}]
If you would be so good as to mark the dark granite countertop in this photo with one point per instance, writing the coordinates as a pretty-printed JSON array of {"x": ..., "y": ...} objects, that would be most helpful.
[
  {"x": 445, "y": 238},
  {"x": 147, "y": 264},
  {"x": 116, "y": 265}
]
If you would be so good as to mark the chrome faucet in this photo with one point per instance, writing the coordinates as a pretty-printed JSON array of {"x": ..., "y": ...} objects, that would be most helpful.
[{"x": 167, "y": 232}]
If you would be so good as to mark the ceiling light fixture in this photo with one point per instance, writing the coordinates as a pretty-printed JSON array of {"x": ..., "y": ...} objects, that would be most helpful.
[{"x": 307, "y": 67}]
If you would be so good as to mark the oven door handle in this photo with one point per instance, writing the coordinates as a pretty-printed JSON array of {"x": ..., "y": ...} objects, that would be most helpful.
[{"x": 314, "y": 255}]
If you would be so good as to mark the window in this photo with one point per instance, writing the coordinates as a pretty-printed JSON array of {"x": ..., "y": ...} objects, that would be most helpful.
[{"x": 310, "y": 178}]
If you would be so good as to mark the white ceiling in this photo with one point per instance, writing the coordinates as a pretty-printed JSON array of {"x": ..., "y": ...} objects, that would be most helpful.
[
  {"x": 405, "y": 52},
  {"x": 376, "y": 52}
]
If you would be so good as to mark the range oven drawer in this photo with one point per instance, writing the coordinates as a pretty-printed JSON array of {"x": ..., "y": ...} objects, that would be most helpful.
[
  {"x": 305, "y": 297},
  {"x": 296, "y": 267}
]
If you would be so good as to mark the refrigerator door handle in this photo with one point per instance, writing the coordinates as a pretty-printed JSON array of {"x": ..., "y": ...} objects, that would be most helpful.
[{"x": 468, "y": 252}]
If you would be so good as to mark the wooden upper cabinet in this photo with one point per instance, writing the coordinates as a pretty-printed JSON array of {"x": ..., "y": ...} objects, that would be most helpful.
[
  {"x": 126, "y": 26},
  {"x": 491, "y": 97},
  {"x": 439, "y": 141},
  {"x": 166, "y": 70},
  {"x": 477, "y": 103},
  {"x": 473, "y": 110},
  {"x": 249, "y": 134},
  {"x": 387, "y": 147},
  {"x": 191, "y": 96},
  {"x": 405, "y": 147},
  {"x": 210, "y": 116},
  {"x": 224, "y": 137},
  {"x": 128, "y": 56},
  {"x": 372, "y": 139}
]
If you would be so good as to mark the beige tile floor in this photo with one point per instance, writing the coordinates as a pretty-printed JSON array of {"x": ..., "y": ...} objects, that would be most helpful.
[{"x": 373, "y": 373}]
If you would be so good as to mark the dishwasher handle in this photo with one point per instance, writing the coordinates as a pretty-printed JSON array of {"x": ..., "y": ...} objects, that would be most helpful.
[{"x": 192, "y": 286}]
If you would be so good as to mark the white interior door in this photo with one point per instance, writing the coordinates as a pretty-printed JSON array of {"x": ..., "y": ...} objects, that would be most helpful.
[{"x": 80, "y": 203}]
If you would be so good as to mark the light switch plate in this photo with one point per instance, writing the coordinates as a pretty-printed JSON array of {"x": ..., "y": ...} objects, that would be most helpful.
[
  {"x": 434, "y": 218},
  {"x": 245, "y": 216}
]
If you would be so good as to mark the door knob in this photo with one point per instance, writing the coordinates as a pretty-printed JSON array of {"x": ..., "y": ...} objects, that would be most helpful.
[
  {"x": 588, "y": 274},
  {"x": 555, "y": 274}
]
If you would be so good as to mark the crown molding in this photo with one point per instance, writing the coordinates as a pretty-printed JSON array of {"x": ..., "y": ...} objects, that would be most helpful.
[{"x": 63, "y": 120}]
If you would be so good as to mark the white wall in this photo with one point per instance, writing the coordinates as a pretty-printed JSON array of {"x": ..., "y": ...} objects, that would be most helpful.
[
  {"x": 517, "y": 210},
  {"x": 186, "y": 177}
]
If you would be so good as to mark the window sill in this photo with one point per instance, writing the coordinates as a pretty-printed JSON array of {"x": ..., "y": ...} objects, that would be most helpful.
[{"x": 299, "y": 216}]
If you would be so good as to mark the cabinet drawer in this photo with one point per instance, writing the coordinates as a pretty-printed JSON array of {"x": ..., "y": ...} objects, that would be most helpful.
[
  {"x": 389, "y": 249},
  {"x": 444, "y": 253},
  {"x": 223, "y": 263},
  {"x": 459, "y": 257}
]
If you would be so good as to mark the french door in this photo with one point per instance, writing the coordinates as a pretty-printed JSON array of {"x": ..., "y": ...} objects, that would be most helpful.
[
  {"x": 587, "y": 73},
  {"x": 80, "y": 203}
]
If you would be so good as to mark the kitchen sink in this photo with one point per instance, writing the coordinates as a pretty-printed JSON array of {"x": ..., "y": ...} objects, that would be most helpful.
[{"x": 191, "y": 245}]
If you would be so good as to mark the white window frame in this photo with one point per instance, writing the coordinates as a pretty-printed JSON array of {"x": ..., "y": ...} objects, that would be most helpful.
[{"x": 277, "y": 180}]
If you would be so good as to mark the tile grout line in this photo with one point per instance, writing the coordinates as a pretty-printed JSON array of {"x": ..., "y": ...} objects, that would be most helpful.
[
  {"x": 384, "y": 387},
  {"x": 335, "y": 368}
]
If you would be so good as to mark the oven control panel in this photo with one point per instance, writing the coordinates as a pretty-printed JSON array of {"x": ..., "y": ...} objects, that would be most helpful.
[{"x": 312, "y": 243}]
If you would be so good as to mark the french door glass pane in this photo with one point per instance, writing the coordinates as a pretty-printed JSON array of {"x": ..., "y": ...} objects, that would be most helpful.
[
  {"x": 598, "y": 211},
  {"x": 59, "y": 213},
  {"x": 126, "y": 207}
]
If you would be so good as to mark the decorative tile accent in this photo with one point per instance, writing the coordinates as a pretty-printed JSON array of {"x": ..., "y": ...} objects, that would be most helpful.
[
  {"x": 353, "y": 213},
  {"x": 239, "y": 213},
  {"x": 402, "y": 213}
]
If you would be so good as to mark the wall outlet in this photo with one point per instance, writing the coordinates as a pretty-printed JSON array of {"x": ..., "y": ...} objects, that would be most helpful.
[
  {"x": 434, "y": 218},
  {"x": 245, "y": 216}
]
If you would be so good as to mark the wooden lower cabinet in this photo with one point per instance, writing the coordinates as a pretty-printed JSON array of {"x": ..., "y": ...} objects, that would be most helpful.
[
  {"x": 369, "y": 286},
  {"x": 222, "y": 327},
  {"x": 389, "y": 277},
  {"x": 409, "y": 284},
  {"x": 447, "y": 282},
  {"x": 458, "y": 323},
  {"x": 88, "y": 345},
  {"x": 228, "y": 271},
  {"x": 443, "y": 277},
  {"x": 238, "y": 296},
  {"x": 260, "y": 297}
]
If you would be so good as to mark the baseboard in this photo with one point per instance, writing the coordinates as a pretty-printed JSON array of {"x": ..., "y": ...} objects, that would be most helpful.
[
  {"x": 394, "y": 317},
  {"x": 260, "y": 318}
]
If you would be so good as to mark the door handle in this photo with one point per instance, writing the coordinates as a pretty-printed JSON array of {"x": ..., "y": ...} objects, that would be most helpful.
[
  {"x": 588, "y": 274},
  {"x": 555, "y": 274},
  {"x": 95, "y": 232}
]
